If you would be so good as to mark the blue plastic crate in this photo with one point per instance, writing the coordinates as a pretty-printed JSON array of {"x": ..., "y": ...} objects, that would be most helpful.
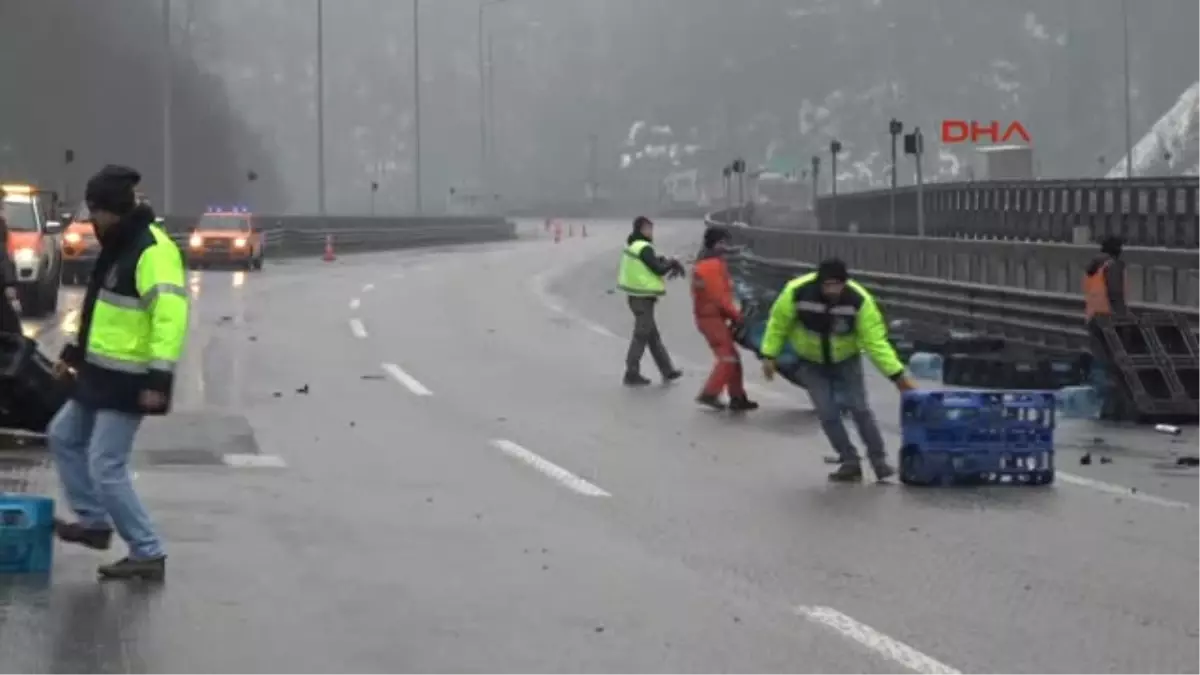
[
  {"x": 26, "y": 534},
  {"x": 954, "y": 437}
]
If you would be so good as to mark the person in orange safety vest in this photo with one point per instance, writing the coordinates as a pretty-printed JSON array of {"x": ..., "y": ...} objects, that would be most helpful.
[
  {"x": 717, "y": 317},
  {"x": 1104, "y": 293}
]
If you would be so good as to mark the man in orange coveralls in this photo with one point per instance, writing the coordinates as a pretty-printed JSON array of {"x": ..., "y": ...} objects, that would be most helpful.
[{"x": 716, "y": 317}]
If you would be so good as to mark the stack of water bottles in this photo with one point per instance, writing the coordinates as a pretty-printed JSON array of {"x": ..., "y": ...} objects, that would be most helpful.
[
  {"x": 953, "y": 437},
  {"x": 1073, "y": 402}
]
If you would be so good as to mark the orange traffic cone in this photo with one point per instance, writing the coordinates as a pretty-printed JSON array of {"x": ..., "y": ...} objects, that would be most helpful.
[{"x": 329, "y": 256}]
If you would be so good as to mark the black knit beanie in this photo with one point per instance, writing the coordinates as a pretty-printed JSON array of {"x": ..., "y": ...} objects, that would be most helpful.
[
  {"x": 112, "y": 190},
  {"x": 832, "y": 269}
]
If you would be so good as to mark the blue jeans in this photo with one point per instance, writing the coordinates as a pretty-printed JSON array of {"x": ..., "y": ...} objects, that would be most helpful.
[
  {"x": 839, "y": 387},
  {"x": 91, "y": 450}
]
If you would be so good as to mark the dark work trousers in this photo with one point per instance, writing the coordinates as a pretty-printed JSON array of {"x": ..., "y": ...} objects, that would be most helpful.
[
  {"x": 837, "y": 387},
  {"x": 645, "y": 334}
]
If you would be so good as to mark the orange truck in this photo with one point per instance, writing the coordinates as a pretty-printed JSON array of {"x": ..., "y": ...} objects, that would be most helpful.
[
  {"x": 33, "y": 246},
  {"x": 79, "y": 247},
  {"x": 223, "y": 237}
]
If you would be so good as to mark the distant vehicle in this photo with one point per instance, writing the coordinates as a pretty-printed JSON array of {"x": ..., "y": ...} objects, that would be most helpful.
[
  {"x": 79, "y": 247},
  {"x": 223, "y": 237},
  {"x": 34, "y": 247}
]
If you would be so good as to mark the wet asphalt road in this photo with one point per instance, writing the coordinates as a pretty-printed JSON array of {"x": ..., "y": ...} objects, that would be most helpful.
[{"x": 463, "y": 485}]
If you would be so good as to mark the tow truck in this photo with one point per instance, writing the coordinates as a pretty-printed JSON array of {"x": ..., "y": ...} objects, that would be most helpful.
[
  {"x": 33, "y": 247},
  {"x": 226, "y": 236}
]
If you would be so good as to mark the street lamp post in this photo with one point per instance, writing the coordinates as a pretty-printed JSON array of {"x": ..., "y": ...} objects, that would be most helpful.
[
  {"x": 895, "y": 128},
  {"x": 835, "y": 146},
  {"x": 489, "y": 169},
  {"x": 167, "y": 106},
  {"x": 914, "y": 144},
  {"x": 816, "y": 185},
  {"x": 727, "y": 174},
  {"x": 1128, "y": 95},
  {"x": 321, "y": 108},
  {"x": 416, "y": 29},
  {"x": 483, "y": 5}
]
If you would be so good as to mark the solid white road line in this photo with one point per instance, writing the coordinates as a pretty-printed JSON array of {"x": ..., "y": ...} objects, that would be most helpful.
[
  {"x": 253, "y": 461},
  {"x": 891, "y": 649},
  {"x": 550, "y": 469},
  {"x": 411, "y": 383},
  {"x": 355, "y": 303},
  {"x": 1119, "y": 490},
  {"x": 367, "y": 288},
  {"x": 357, "y": 327}
]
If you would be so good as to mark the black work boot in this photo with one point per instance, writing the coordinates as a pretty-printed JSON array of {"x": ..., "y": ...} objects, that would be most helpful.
[
  {"x": 742, "y": 404},
  {"x": 711, "y": 400},
  {"x": 98, "y": 538},
  {"x": 635, "y": 380},
  {"x": 151, "y": 569},
  {"x": 672, "y": 375},
  {"x": 847, "y": 473},
  {"x": 883, "y": 471}
]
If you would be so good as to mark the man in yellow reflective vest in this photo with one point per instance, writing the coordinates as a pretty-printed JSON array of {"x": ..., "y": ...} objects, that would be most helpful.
[
  {"x": 830, "y": 320},
  {"x": 131, "y": 335},
  {"x": 642, "y": 278}
]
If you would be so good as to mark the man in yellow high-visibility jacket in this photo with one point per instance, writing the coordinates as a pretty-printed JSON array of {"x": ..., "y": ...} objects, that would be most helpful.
[
  {"x": 830, "y": 320},
  {"x": 641, "y": 277},
  {"x": 131, "y": 336}
]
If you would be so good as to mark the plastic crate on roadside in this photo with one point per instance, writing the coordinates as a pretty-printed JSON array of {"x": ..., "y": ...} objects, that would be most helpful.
[
  {"x": 26, "y": 533},
  {"x": 979, "y": 437}
]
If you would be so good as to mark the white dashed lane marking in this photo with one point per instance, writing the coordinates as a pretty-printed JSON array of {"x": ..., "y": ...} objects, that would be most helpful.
[
  {"x": 549, "y": 469},
  {"x": 1119, "y": 490},
  {"x": 355, "y": 303},
  {"x": 889, "y": 648},
  {"x": 358, "y": 329},
  {"x": 408, "y": 381}
]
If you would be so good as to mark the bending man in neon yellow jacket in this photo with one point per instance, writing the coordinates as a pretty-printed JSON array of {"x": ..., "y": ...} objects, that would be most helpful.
[{"x": 830, "y": 320}]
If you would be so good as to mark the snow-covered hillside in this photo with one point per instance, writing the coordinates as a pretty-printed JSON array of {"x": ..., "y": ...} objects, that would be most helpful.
[{"x": 1172, "y": 146}]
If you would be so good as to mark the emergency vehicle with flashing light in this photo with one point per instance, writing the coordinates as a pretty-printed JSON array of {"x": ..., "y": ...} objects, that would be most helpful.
[
  {"x": 226, "y": 236},
  {"x": 80, "y": 247},
  {"x": 33, "y": 246}
]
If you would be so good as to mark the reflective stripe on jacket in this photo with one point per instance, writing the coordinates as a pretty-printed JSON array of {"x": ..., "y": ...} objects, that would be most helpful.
[
  {"x": 712, "y": 289},
  {"x": 635, "y": 277},
  {"x": 824, "y": 332},
  {"x": 1095, "y": 291}
]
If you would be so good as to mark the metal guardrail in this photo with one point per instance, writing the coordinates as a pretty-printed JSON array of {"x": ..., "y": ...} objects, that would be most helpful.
[
  {"x": 184, "y": 222},
  {"x": 1043, "y": 320},
  {"x": 1150, "y": 212},
  {"x": 1037, "y": 318},
  {"x": 289, "y": 242},
  {"x": 1156, "y": 276}
]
